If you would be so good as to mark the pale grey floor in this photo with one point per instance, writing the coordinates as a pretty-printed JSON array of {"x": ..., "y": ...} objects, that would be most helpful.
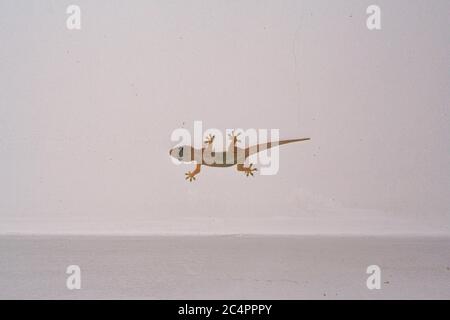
[{"x": 224, "y": 267}]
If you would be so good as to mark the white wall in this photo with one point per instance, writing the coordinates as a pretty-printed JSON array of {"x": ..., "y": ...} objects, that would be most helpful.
[{"x": 86, "y": 116}]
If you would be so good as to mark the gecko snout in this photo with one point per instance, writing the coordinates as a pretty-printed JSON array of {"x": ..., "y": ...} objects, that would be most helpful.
[{"x": 177, "y": 153}]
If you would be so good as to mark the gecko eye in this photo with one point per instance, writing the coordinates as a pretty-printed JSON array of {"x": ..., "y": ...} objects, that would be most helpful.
[{"x": 180, "y": 153}]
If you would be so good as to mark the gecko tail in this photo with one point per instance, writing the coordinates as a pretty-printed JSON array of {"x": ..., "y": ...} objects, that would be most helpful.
[
  {"x": 268, "y": 145},
  {"x": 291, "y": 141}
]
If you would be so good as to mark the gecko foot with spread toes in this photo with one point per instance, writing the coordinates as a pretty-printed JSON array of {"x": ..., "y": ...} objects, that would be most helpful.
[
  {"x": 209, "y": 139},
  {"x": 190, "y": 175},
  {"x": 248, "y": 171},
  {"x": 234, "y": 137}
]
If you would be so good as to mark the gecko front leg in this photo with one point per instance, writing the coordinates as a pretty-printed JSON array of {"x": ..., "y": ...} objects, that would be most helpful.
[
  {"x": 191, "y": 175},
  {"x": 209, "y": 140},
  {"x": 208, "y": 152},
  {"x": 247, "y": 170}
]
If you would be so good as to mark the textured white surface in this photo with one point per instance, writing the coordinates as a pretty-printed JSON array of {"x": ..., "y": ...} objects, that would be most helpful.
[
  {"x": 228, "y": 267},
  {"x": 86, "y": 116}
]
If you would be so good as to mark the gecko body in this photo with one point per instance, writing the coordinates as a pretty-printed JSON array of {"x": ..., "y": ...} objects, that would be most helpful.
[{"x": 233, "y": 156}]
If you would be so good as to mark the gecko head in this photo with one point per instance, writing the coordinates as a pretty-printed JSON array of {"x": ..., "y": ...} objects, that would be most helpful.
[{"x": 182, "y": 153}]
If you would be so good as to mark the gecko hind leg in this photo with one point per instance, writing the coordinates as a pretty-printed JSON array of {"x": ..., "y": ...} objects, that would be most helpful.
[
  {"x": 234, "y": 137},
  {"x": 248, "y": 171}
]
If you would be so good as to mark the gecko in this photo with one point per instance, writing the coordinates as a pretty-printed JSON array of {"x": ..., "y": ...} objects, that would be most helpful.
[{"x": 233, "y": 156}]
